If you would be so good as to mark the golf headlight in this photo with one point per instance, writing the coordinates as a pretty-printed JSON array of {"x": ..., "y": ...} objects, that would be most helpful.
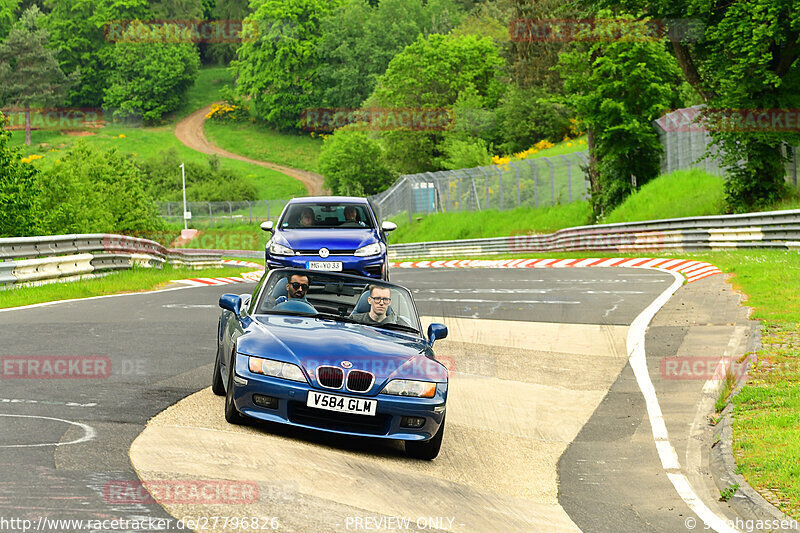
[
  {"x": 407, "y": 387},
  {"x": 276, "y": 369},
  {"x": 370, "y": 249},
  {"x": 279, "y": 249}
]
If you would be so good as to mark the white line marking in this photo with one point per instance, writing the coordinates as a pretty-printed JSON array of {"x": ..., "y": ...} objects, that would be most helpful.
[
  {"x": 666, "y": 452},
  {"x": 88, "y": 433}
]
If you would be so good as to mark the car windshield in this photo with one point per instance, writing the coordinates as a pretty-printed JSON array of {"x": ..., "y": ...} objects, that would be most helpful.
[
  {"x": 338, "y": 297},
  {"x": 326, "y": 215}
]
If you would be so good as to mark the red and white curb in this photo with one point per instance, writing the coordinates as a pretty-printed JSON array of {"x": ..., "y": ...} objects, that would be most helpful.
[
  {"x": 245, "y": 277},
  {"x": 692, "y": 270},
  {"x": 237, "y": 262}
]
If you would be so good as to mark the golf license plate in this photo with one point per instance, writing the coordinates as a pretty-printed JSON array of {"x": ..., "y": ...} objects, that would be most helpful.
[
  {"x": 342, "y": 404},
  {"x": 335, "y": 266}
]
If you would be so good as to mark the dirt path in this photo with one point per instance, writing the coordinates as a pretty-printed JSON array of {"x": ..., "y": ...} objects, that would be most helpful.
[{"x": 189, "y": 131}]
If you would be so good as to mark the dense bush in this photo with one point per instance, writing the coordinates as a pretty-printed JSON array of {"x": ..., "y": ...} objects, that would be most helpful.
[
  {"x": 203, "y": 182},
  {"x": 19, "y": 190},
  {"x": 527, "y": 116},
  {"x": 353, "y": 164},
  {"x": 150, "y": 78},
  {"x": 93, "y": 191}
]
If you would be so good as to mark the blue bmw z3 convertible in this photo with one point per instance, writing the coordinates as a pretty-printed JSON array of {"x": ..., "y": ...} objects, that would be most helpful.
[
  {"x": 334, "y": 233},
  {"x": 332, "y": 352}
]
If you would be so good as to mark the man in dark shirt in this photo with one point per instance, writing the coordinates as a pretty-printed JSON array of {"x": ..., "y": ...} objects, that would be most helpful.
[{"x": 379, "y": 300}]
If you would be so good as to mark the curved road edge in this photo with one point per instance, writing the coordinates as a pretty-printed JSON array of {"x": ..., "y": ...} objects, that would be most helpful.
[{"x": 189, "y": 131}]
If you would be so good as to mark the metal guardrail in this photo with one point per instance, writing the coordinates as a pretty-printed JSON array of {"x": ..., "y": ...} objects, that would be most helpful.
[
  {"x": 775, "y": 229},
  {"x": 33, "y": 259}
]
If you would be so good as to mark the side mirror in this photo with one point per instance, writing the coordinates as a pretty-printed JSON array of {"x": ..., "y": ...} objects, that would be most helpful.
[
  {"x": 388, "y": 226},
  {"x": 232, "y": 303},
  {"x": 436, "y": 331},
  {"x": 267, "y": 226}
]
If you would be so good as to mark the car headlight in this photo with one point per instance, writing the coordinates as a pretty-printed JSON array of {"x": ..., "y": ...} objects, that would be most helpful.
[
  {"x": 407, "y": 387},
  {"x": 276, "y": 369},
  {"x": 370, "y": 249},
  {"x": 279, "y": 249}
]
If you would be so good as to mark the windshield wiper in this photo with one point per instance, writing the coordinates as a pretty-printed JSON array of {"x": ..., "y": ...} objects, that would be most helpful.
[
  {"x": 338, "y": 318},
  {"x": 398, "y": 327}
]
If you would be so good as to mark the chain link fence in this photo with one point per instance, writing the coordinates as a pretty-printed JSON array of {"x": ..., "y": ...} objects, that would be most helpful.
[
  {"x": 221, "y": 214},
  {"x": 685, "y": 144},
  {"x": 539, "y": 182}
]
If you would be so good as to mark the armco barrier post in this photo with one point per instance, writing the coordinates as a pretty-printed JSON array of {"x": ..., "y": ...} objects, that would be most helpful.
[{"x": 7, "y": 272}]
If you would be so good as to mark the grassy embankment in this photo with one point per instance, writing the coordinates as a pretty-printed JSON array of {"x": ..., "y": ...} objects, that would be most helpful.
[{"x": 148, "y": 142}]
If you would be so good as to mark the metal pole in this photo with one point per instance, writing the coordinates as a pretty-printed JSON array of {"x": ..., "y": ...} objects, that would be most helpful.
[
  {"x": 500, "y": 184},
  {"x": 552, "y": 181},
  {"x": 516, "y": 171},
  {"x": 569, "y": 176},
  {"x": 250, "y": 206},
  {"x": 210, "y": 215},
  {"x": 535, "y": 185},
  {"x": 183, "y": 177}
]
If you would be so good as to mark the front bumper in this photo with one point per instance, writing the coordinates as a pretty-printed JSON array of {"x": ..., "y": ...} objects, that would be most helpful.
[
  {"x": 371, "y": 267},
  {"x": 292, "y": 408}
]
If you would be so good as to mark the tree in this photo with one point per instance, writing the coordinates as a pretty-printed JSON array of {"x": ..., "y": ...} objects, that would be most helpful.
[
  {"x": 533, "y": 57},
  {"x": 458, "y": 73},
  {"x": 358, "y": 41},
  {"x": 19, "y": 191},
  {"x": 223, "y": 53},
  {"x": 30, "y": 73},
  {"x": 82, "y": 32},
  {"x": 745, "y": 59},
  {"x": 618, "y": 86},
  {"x": 151, "y": 78},
  {"x": 278, "y": 68},
  {"x": 353, "y": 164},
  {"x": 7, "y": 9},
  {"x": 95, "y": 191}
]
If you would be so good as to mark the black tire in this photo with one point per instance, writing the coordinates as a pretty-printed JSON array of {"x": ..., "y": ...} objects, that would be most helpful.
[
  {"x": 217, "y": 386},
  {"x": 232, "y": 415},
  {"x": 426, "y": 449}
]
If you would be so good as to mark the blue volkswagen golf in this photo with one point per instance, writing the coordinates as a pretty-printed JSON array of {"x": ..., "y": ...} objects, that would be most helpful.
[{"x": 333, "y": 233}]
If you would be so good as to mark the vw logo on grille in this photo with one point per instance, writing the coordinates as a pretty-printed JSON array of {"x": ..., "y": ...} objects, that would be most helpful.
[
  {"x": 347, "y": 364},
  {"x": 324, "y": 252}
]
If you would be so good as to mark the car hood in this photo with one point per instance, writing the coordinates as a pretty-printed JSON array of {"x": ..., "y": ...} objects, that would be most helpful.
[
  {"x": 311, "y": 342},
  {"x": 334, "y": 239}
]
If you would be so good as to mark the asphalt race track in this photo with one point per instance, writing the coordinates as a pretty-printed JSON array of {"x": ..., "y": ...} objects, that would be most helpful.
[{"x": 547, "y": 429}]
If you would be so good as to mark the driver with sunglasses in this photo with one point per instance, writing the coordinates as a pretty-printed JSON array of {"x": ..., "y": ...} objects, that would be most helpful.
[{"x": 297, "y": 286}]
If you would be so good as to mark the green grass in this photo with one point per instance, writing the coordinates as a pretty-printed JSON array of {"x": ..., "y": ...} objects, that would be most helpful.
[
  {"x": 134, "y": 280},
  {"x": 489, "y": 223},
  {"x": 257, "y": 142},
  {"x": 563, "y": 148},
  {"x": 147, "y": 143},
  {"x": 205, "y": 91},
  {"x": 684, "y": 193}
]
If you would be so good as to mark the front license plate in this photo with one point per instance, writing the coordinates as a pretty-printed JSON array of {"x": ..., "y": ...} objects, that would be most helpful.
[
  {"x": 335, "y": 266},
  {"x": 342, "y": 404}
]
